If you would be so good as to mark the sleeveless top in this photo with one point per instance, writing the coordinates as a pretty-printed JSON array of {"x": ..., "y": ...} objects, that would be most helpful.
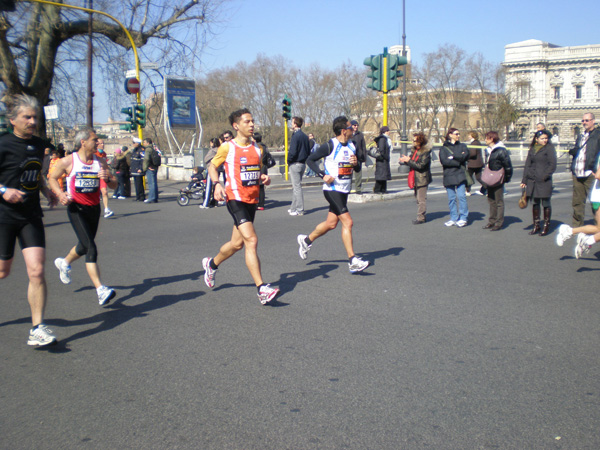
[
  {"x": 83, "y": 182},
  {"x": 242, "y": 166},
  {"x": 337, "y": 164}
]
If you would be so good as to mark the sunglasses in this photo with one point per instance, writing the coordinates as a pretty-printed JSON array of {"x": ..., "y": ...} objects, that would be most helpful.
[{"x": 586, "y": 120}]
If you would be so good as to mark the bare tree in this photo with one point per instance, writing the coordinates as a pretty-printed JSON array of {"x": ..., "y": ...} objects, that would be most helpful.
[{"x": 38, "y": 40}]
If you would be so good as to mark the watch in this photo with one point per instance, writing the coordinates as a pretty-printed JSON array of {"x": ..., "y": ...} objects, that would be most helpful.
[{"x": 3, "y": 190}]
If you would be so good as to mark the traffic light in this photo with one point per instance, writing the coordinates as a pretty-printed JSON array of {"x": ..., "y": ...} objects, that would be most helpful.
[
  {"x": 130, "y": 113},
  {"x": 7, "y": 5},
  {"x": 140, "y": 115},
  {"x": 375, "y": 64},
  {"x": 394, "y": 72},
  {"x": 287, "y": 108}
]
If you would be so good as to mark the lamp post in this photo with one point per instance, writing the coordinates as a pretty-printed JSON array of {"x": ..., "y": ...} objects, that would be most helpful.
[{"x": 404, "y": 136}]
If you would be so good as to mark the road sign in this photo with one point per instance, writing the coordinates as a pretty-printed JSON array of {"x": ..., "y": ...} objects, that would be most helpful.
[
  {"x": 51, "y": 112},
  {"x": 130, "y": 73},
  {"x": 132, "y": 85}
]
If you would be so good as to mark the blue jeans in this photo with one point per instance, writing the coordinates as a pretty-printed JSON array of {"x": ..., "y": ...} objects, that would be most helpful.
[
  {"x": 458, "y": 193},
  {"x": 152, "y": 185},
  {"x": 296, "y": 171}
]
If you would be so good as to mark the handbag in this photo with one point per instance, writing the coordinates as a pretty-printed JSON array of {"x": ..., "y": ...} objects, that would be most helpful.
[
  {"x": 270, "y": 161},
  {"x": 411, "y": 173},
  {"x": 523, "y": 200},
  {"x": 492, "y": 178}
]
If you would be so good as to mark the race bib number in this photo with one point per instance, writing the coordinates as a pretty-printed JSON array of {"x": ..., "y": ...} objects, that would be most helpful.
[
  {"x": 87, "y": 182},
  {"x": 344, "y": 171},
  {"x": 250, "y": 174}
]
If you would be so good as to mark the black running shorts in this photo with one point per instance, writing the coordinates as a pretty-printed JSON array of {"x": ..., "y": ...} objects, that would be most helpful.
[
  {"x": 241, "y": 212},
  {"x": 29, "y": 234},
  {"x": 337, "y": 202}
]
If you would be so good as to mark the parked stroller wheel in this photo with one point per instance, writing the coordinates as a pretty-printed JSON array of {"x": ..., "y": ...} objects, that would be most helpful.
[{"x": 183, "y": 200}]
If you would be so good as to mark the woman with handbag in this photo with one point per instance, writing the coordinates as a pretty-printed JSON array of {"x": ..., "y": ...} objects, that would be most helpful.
[
  {"x": 383, "y": 172},
  {"x": 453, "y": 156},
  {"x": 537, "y": 178},
  {"x": 497, "y": 173},
  {"x": 419, "y": 176}
]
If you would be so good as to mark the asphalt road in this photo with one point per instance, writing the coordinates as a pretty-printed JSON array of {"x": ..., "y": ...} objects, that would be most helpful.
[{"x": 452, "y": 339}]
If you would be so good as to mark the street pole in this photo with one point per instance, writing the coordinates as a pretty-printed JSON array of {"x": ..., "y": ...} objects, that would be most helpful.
[
  {"x": 385, "y": 86},
  {"x": 404, "y": 136},
  {"x": 90, "y": 93}
]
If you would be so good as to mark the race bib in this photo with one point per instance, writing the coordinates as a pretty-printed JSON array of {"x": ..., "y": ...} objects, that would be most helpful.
[
  {"x": 344, "y": 171},
  {"x": 250, "y": 174},
  {"x": 87, "y": 182}
]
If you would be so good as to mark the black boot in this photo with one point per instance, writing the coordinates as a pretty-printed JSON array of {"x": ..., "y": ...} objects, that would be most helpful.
[
  {"x": 547, "y": 215},
  {"x": 536, "y": 219}
]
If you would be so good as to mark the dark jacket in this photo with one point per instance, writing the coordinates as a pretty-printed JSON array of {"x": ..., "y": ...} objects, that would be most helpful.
[
  {"x": 361, "y": 147},
  {"x": 299, "y": 148},
  {"x": 383, "y": 171},
  {"x": 137, "y": 161},
  {"x": 592, "y": 147},
  {"x": 499, "y": 158},
  {"x": 453, "y": 158},
  {"x": 121, "y": 165},
  {"x": 537, "y": 174},
  {"x": 475, "y": 156},
  {"x": 422, "y": 166},
  {"x": 148, "y": 165}
]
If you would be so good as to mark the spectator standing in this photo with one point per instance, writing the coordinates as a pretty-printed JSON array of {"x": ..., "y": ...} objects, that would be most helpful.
[
  {"x": 537, "y": 178},
  {"x": 383, "y": 172},
  {"x": 313, "y": 146},
  {"x": 137, "y": 170},
  {"x": 151, "y": 169},
  {"x": 584, "y": 157},
  {"x": 100, "y": 153},
  {"x": 454, "y": 156},
  {"x": 475, "y": 162},
  {"x": 264, "y": 168},
  {"x": 122, "y": 172},
  {"x": 212, "y": 151},
  {"x": 296, "y": 159},
  {"x": 361, "y": 155},
  {"x": 419, "y": 162},
  {"x": 498, "y": 159}
]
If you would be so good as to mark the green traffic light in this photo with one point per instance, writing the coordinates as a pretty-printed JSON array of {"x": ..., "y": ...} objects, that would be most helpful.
[
  {"x": 140, "y": 115},
  {"x": 287, "y": 108},
  {"x": 375, "y": 63}
]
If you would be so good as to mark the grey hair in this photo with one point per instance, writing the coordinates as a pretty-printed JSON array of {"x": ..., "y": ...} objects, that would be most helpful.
[
  {"x": 20, "y": 101},
  {"x": 590, "y": 114},
  {"x": 82, "y": 135}
]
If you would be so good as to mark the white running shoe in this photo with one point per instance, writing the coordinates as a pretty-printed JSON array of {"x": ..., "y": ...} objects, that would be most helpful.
[
  {"x": 64, "y": 269},
  {"x": 267, "y": 293},
  {"x": 357, "y": 265},
  {"x": 105, "y": 295},
  {"x": 461, "y": 223},
  {"x": 304, "y": 247},
  {"x": 209, "y": 273},
  {"x": 564, "y": 232},
  {"x": 108, "y": 213},
  {"x": 41, "y": 336},
  {"x": 582, "y": 246},
  {"x": 450, "y": 223}
]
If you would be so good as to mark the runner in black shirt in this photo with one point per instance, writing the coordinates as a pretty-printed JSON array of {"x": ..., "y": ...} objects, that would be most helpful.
[{"x": 21, "y": 157}]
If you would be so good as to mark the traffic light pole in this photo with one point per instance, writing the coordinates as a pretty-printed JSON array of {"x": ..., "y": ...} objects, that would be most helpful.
[
  {"x": 135, "y": 53},
  {"x": 385, "y": 87},
  {"x": 286, "y": 149},
  {"x": 404, "y": 136}
]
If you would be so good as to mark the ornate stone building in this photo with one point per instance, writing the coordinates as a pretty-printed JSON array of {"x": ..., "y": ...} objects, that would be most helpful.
[{"x": 553, "y": 85}]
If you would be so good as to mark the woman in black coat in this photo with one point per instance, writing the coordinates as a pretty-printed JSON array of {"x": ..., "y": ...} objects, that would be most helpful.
[
  {"x": 537, "y": 178},
  {"x": 498, "y": 159},
  {"x": 454, "y": 156},
  {"x": 383, "y": 172}
]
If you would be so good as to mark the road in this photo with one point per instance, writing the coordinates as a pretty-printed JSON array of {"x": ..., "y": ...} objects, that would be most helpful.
[{"x": 452, "y": 339}]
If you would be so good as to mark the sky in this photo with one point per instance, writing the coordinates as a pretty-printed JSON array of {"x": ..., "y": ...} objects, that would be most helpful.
[{"x": 331, "y": 32}]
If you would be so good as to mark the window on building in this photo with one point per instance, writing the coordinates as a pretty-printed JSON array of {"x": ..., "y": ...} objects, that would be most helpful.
[
  {"x": 555, "y": 131},
  {"x": 556, "y": 92},
  {"x": 418, "y": 127},
  {"x": 523, "y": 92},
  {"x": 578, "y": 90},
  {"x": 478, "y": 124},
  {"x": 598, "y": 87}
]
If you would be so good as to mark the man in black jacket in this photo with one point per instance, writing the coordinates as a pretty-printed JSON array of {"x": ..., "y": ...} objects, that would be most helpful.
[
  {"x": 296, "y": 159},
  {"x": 584, "y": 155},
  {"x": 361, "y": 151}
]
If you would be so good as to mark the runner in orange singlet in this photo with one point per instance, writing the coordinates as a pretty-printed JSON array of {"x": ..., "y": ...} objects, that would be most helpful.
[{"x": 242, "y": 161}]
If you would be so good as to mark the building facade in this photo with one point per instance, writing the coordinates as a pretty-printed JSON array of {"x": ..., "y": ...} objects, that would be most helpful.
[{"x": 553, "y": 85}]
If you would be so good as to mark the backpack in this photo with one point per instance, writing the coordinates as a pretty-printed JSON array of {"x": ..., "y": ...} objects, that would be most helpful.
[{"x": 155, "y": 158}]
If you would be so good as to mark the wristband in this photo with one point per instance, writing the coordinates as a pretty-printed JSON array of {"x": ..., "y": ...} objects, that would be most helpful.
[{"x": 3, "y": 190}]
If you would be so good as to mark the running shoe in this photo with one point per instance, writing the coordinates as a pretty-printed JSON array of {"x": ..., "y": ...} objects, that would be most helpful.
[
  {"x": 582, "y": 246},
  {"x": 209, "y": 273},
  {"x": 267, "y": 293},
  {"x": 105, "y": 295},
  {"x": 108, "y": 213},
  {"x": 120, "y": 197},
  {"x": 461, "y": 223},
  {"x": 564, "y": 232},
  {"x": 304, "y": 247},
  {"x": 64, "y": 269},
  {"x": 450, "y": 223},
  {"x": 40, "y": 336},
  {"x": 357, "y": 265}
]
